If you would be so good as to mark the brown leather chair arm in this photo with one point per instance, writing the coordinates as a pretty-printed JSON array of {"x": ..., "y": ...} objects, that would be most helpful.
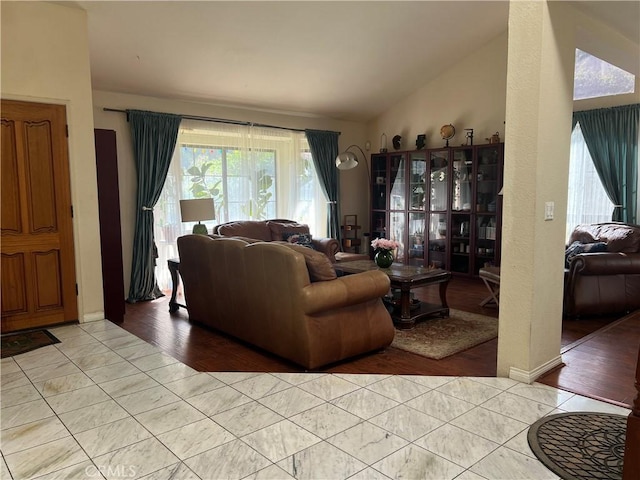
[
  {"x": 328, "y": 246},
  {"x": 344, "y": 291},
  {"x": 605, "y": 263}
]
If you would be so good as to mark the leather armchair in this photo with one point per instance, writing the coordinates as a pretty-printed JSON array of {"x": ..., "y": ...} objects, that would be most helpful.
[{"x": 606, "y": 282}]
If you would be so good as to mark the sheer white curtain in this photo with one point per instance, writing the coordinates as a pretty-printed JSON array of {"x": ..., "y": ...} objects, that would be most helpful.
[
  {"x": 251, "y": 173},
  {"x": 587, "y": 201}
]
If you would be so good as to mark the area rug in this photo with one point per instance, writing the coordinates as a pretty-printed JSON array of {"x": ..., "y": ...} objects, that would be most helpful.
[
  {"x": 438, "y": 338},
  {"x": 580, "y": 446},
  {"x": 23, "y": 342}
]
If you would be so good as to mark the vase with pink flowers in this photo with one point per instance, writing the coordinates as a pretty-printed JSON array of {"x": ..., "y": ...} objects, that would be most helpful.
[{"x": 384, "y": 251}]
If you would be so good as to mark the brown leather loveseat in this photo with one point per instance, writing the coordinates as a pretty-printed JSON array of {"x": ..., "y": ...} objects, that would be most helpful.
[
  {"x": 605, "y": 282},
  {"x": 276, "y": 230},
  {"x": 263, "y": 293}
]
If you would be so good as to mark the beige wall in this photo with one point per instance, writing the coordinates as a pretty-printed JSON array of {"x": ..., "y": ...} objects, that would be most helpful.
[
  {"x": 471, "y": 94},
  {"x": 45, "y": 58},
  {"x": 352, "y": 199}
]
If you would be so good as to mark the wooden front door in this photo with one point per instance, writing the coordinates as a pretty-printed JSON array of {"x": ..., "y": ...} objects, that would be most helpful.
[{"x": 38, "y": 269}]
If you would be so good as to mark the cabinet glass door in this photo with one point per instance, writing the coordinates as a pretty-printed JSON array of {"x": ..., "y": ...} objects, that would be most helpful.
[
  {"x": 488, "y": 176},
  {"x": 398, "y": 232},
  {"x": 438, "y": 181},
  {"x": 417, "y": 183},
  {"x": 378, "y": 225},
  {"x": 437, "y": 253},
  {"x": 461, "y": 201},
  {"x": 397, "y": 174},
  {"x": 416, "y": 238},
  {"x": 462, "y": 180},
  {"x": 379, "y": 179}
]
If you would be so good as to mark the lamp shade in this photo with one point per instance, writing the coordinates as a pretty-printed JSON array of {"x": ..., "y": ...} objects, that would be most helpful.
[
  {"x": 346, "y": 161},
  {"x": 197, "y": 209}
]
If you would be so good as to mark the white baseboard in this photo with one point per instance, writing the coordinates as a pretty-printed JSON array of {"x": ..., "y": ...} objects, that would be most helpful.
[
  {"x": 531, "y": 376},
  {"x": 92, "y": 317}
]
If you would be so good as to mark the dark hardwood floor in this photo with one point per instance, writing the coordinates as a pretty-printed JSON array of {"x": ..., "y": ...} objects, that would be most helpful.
[{"x": 597, "y": 366}]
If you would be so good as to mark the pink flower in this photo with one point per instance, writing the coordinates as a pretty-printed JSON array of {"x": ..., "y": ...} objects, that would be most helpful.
[{"x": 384, "y": 244}]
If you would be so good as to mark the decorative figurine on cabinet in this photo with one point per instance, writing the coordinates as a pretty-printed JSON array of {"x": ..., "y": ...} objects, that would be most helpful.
[
  {"x": 495, "y": 138},
  {"x": 396, "y": 142},
  {"x": 468, "y": 134},
  {"x": 447, "y": 132}
]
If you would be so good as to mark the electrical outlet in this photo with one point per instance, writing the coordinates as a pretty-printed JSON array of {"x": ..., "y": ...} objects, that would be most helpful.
[{"x": 548, "y": 210}]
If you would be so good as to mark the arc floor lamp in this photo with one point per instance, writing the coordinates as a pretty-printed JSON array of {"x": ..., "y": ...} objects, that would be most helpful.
[{"x": 348, "y": 160}]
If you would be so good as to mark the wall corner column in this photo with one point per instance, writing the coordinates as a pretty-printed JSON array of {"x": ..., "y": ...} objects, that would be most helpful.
[{"x": 537, "y": 139}]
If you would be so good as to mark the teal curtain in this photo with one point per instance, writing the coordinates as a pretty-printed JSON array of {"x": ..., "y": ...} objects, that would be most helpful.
[
  {"x": 154, "y": 137},
  {"x": 611, "y": 135},
  {"x": 324, "y": 150}
]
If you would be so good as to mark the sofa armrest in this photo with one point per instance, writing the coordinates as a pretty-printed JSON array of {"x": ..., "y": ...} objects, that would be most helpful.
[
  {"x": 328, "y": 246},
  {"x": 344, "y": 291},
  {"x": 605, "y": 263}
]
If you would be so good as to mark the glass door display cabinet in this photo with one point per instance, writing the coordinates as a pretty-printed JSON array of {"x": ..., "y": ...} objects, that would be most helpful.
[{"x": 441, "y": 205}]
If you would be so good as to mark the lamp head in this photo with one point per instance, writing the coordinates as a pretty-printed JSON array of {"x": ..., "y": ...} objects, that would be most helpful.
[{"x": 346, "y": 161}]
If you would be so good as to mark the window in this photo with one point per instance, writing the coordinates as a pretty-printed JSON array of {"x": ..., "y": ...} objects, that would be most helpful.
[
  {"x": 252, "y": 173},
  {"x": 587, "y": 200},
  {"x": 596, "y": 78},
  {"x": 241, "y": 187}
]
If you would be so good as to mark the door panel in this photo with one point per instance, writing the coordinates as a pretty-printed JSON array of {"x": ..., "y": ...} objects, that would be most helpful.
[
  {"x": 10, "y": 190},
  {"x": 14, "y": 295},
  {"x": 37, "y": 262},
  {"x": 41, "y": 191},
  {"x": 48, "y": 290}
]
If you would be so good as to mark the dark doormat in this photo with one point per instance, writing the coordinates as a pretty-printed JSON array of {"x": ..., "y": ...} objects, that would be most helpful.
[
  {"x": 580, "y": 446},
  {"x": 23, "y": 342}
]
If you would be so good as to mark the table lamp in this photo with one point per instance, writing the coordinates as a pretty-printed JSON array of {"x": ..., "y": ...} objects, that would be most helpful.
[{"x": 196, "y": 210}]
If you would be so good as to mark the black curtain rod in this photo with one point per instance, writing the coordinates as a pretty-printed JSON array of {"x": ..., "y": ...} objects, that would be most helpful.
[{"x": 221, "y": 120}]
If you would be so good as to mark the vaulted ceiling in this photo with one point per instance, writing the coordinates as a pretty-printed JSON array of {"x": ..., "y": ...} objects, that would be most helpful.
[{"x": 341, "y": 59}]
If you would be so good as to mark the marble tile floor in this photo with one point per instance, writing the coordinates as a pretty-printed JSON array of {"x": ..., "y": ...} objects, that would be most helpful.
[{"x": 105, "y": 404}]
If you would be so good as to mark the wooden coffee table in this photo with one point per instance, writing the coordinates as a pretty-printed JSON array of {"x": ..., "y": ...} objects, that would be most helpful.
[{"x": 405, "y": 312}]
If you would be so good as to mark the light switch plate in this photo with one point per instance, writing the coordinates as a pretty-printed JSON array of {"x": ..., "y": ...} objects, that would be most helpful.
[{"x": 548, "y": 210}]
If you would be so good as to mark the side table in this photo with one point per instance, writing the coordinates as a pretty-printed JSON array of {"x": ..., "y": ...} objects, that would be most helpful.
[{"x": 174, "y": 269}]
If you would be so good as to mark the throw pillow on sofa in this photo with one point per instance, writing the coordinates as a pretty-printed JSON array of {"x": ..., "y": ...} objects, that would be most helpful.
[
  {"x": 318, "y": 265},
  {"x": 278, "y": 230},
  {"x": 578, "y": 247},
  {"x": 302, "y": 239}
]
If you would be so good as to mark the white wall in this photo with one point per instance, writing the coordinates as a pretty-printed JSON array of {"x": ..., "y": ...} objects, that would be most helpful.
[
  {"x": 352, "y": 201},
  {"x": 45, "y": 58}
]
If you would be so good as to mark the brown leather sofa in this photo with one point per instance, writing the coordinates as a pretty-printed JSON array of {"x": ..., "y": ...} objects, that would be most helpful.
[
  {"x": 263, "y": 293},
  {"x": 605, "y": 282},
  {"x": 275, "y": 230}
]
